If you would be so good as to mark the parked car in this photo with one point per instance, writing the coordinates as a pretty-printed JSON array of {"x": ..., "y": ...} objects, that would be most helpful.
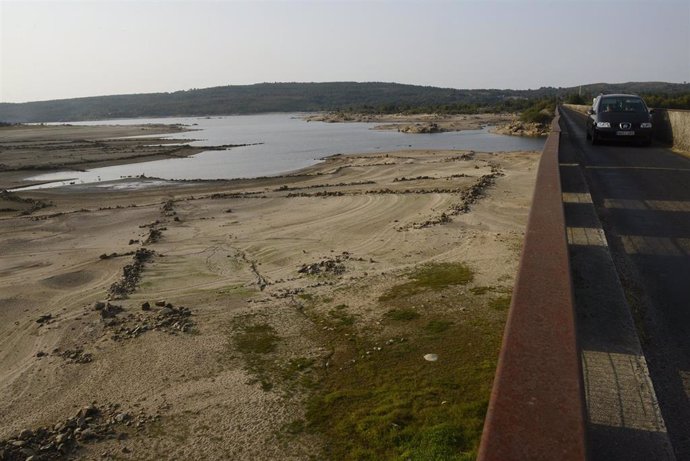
[{"x": 619, "y": 117}]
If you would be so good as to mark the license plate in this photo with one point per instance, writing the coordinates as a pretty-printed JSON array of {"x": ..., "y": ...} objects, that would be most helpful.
[{"x": 625, "y": 133}]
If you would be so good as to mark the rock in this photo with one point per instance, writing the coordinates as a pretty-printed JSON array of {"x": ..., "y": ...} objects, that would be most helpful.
[
  {"x": 109, "y": 322},
  {"x": 88, "y": 434},
  {"x": 89, "y": 411},
  {"x": 99, "y": 305},
  {"x": 110, "y": 311},
  {"x": 167, "y": 311},
  {"x": 44, "y": 318},
  {"x": 26, "y": 434},
  {"x": 146, "y": 306},
  {"x": 41, "y": 354},
  {"x": 160, "y": 303},
  {"x": 431, "y": 357}
]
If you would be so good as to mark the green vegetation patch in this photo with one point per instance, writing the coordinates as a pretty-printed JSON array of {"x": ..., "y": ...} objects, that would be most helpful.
[
  {"x": 430, "y": 277},
  {"x": 437, "y": 326},
  {"x": 502, "y": 303},
  {"x": 340, "y": 317},
  {"x": 392, "y": 404},
  {"x": 402, "y": 314},
  {"x": 256, "y": 339}
]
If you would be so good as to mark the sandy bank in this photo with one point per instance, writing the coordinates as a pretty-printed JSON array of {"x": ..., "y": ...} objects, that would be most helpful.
[
  {"x": 27, "y": 150},
  {"x": 280, "y": 275},
  {"x": 419, "y": 123}
]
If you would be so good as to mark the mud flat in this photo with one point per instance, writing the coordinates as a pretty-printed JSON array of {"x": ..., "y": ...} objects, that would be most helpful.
[{"x": 263, "y": 318}]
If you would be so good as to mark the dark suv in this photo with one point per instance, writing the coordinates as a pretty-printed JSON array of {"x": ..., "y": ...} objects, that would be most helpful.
[{"x": 619, "y": 117}]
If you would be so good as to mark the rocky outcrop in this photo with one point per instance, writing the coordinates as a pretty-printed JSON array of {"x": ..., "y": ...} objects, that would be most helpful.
[
  {"x": 418, "y": 128},
  {"x": 518, "y": 128}
]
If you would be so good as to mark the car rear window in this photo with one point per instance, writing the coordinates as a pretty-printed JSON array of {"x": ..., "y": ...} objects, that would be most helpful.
[{"x": 622, "y": 105}]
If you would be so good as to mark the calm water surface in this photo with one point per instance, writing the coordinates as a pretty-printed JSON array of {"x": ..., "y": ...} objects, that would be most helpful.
[{"x": 287, "y": 144}]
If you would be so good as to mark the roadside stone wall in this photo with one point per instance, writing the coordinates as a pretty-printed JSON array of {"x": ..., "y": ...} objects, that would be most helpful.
[{"x": 673, "y": 127}]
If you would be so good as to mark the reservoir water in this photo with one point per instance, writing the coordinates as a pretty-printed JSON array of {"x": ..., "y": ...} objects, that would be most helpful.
[{"x": 283, "y": 143}]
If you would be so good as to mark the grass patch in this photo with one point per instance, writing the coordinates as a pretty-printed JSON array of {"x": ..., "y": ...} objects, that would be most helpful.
[
  {"x": 255, "y": 342},
  {"x": 341, "y": 318},
  {"x": 256, "y": 339},
  {"x": 404, "y": 314},
  {"x": 437, "y": 326},
  {"x": 481, "y": 290},
  {"x": 394, "y": 405},
  {"x": 430, "y": 277},
  {"x": 306, "y": 296},
  {"x": 502, "y": 303}
]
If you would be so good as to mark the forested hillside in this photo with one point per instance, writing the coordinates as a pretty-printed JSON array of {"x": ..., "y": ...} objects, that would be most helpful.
[{"x": 298, "y": 97}]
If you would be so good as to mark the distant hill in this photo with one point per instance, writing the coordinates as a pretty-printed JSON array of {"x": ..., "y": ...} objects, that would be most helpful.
[{"x": 299, "y": 97}]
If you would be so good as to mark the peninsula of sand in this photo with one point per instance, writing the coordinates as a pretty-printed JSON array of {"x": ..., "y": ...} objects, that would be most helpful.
[{"x": 351, "y": 310}]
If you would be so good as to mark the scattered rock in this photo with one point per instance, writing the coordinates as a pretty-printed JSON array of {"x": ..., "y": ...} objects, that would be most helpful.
[
  {"x": 169, "y": 319},
  {"x": 46, "y": 318},
  {"x": 64, "y": 439},
  {"x": 75, "y": 355},
  {"x": 110, "y": 311},
  {"x": 131, "y": 274},
  {"x": 518, "y": 128},
  {"x": 332, "y": 266}
]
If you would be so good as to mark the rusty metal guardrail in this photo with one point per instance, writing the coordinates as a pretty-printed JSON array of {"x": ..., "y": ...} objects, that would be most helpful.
[{"x": 537, "y": 406}]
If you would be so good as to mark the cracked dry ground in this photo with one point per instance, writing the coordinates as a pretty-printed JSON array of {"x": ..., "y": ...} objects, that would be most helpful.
[{"x": 303, "y": 298}]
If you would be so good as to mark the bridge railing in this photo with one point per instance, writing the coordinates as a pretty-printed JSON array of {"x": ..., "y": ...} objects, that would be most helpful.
[{"x": 537, "y": 406}]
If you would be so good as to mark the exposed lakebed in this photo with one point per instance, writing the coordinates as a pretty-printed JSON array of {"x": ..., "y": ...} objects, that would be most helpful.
[{"x": 275, "y": 144}]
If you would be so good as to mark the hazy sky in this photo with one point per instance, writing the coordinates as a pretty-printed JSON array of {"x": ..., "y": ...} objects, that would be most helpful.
[{"x": 62, "y": 49}]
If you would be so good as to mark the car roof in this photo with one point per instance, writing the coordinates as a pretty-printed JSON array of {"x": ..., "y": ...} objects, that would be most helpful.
[{"x": 620, "y": 95}]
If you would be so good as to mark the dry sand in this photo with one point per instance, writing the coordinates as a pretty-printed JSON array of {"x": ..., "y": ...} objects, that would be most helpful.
[{"x": 231, "y": 252}]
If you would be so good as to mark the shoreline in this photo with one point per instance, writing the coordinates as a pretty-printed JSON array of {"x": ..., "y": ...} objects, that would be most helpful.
[{"x": 83, "y": 147}]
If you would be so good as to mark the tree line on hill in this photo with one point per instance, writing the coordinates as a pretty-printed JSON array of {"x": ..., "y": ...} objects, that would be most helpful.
[{"x": 371, "y": 97}]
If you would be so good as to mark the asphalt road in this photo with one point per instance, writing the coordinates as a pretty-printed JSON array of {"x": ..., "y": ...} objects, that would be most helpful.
[{"x": 642, "y": 197}]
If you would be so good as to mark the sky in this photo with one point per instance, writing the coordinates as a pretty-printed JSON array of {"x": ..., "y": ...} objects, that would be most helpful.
[{"x": 64, "y": 49}]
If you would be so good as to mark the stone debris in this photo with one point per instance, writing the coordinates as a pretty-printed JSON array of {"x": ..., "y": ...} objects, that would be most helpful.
[
  {"x": 468, "y": 196},
  {"x": 155, "y": 235},
  {"x": 107, "y": 310},
  {"x": 131, "y": 274},
  {"x": 74, "y": 356},
  {"x": 169, "y": 319},
  {"x": 168, "y": 208},
  {"x": 115, "y": 255},
  {"x": 332, "y": 266},
  {"x": 91, "y": 424}
]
